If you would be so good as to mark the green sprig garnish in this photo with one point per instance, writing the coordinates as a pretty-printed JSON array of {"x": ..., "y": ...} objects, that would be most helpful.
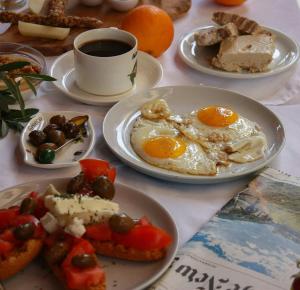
[{"x": 16, "y": 118}]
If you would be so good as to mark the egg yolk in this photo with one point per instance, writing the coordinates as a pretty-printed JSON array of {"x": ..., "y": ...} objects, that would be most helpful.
[
  {"x": 164, "y": 147},
  {"x": 217, "y": 116}
]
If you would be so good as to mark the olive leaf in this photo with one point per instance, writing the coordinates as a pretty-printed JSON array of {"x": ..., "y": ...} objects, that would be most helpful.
[
  {"x": 30, "y": 84},
  {"x": 37, "y": 77},
  {"x": 13, "y": 65},
  {"x": 16, "y": 118},
  {"x": 3, "y": 129}
]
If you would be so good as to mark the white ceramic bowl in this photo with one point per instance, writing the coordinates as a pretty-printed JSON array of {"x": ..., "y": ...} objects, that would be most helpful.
[{"x": 123, "y": 5}]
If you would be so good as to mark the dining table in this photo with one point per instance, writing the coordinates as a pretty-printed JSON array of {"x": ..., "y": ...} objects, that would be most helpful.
[{"x": 191, "y": 206}]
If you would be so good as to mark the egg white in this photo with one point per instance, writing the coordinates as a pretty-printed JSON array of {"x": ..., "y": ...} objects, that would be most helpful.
[
  {"x": 193, "y": 161},
  {"x": 237, "y": 142}
]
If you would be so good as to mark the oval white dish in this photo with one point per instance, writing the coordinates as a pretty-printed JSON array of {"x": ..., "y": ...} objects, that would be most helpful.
[
  {"x": 67, "y": 156},
  {"x": 286, "y": 55}
]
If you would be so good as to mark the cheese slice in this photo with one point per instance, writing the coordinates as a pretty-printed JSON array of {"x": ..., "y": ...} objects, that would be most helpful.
[
  {"x": 38, "y": 6},
  {"x": 43, "y": 31},
  {"x": 246, "y": 52},
  {"x": 90, "y": 209}
]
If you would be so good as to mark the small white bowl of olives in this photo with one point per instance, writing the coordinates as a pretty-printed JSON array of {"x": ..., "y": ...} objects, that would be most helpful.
[{"x": 57, "y": 139}]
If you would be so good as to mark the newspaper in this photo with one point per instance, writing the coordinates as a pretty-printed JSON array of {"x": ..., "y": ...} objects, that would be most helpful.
[{"x": 253, "y": 243}]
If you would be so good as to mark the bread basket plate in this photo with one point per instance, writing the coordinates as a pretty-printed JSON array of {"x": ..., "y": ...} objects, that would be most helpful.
[
  {"x": 119, "y": 121},
  {"x": 70, "y": 154},
  {"x": 285, "y": 56},
  {"x": 120, "y": 275}
]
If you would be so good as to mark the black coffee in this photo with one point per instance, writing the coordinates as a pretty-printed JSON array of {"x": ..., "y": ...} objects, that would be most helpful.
[{"x": 105, "y": 47}]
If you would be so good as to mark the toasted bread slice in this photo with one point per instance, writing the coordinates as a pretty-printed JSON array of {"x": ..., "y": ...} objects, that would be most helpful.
[
  {"x": 20, "y": 258},
  {"x": 110, "y": 249},
  {"x": 215, "y": 35},
  {"x": 59, "y": 274},
  {"x": 243, "y": 24}
]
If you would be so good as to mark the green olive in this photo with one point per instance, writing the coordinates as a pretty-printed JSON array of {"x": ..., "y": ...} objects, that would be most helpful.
[
  {"x": 24, "y": 232},
  {"x": 103, "y": 187},
  {"x": 28, "y": 206},
  {"x": 46, "y": 156},
  {"x": 84, "y": 261},
  {"x": 121, "y": 223}
]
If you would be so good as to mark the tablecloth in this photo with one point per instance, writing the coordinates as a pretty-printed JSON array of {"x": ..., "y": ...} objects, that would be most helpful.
[{"x": 190, "y": 205}]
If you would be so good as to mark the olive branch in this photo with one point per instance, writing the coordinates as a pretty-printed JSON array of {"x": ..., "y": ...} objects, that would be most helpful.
[{"x": 11, "y": 95}]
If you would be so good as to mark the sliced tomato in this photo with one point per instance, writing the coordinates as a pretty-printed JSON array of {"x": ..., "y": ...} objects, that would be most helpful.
[
  {"x": 99, "y": 232},
  {"x": 80, "y": 247},
  {"x": 24, "y": 219},
  {"x": 5, "y": 247},
  {"x": 92, "y": 168},
  {"x": 83, "y": 278},
  {"x": 40, "y": 209},
  {"x": 8, "y": 236},
  {"x": 8, "y": 215},
  {"x": 144, "y": 238},
  {"x": 39, "y": 232}
]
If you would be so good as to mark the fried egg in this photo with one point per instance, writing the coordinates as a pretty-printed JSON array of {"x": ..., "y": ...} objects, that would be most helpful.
[
  {"x": 159, "y": 143},
  {"x": 225, "y": 135}
]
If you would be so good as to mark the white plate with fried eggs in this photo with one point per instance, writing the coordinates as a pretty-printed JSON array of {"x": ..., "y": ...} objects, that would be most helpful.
[{"x": 141, "y": 142}]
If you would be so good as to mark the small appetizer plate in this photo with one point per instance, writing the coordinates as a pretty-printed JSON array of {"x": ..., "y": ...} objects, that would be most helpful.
[
  {"x": 121, "y": 275},
  {"x": 285, "y": 56},
  {"x": 70, "y": 154},
  {"x": 149, "y": 73},
  {"x": 120, "y": 119}
]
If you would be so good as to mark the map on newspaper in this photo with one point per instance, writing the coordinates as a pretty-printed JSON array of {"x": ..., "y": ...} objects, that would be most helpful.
[{"x": 253, "y": 243}]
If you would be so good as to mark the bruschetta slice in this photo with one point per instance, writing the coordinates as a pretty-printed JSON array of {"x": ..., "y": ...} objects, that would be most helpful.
[
  {"x": 127, "y": 239},
  {"x": 73, "y": 261},
  {"x": 21, "y": 239}
]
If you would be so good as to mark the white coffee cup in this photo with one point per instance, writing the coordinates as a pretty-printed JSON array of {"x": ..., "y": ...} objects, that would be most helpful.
[{"x": 105, "y": 75}]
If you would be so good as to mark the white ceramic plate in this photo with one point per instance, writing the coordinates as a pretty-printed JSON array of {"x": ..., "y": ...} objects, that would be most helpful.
[
  {"x": 120, "y": 118},
  {"x": 286, "y": 54},
  {"x": 65, "y": 157},
  {"x": 149, "y": 73},
  {"x": 121, "y": 275}
]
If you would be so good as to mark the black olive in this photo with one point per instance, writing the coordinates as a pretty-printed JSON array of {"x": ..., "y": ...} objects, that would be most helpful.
[
  {"x": 84, "y": 261},
  {"x": 24, "y": 232},
  {"x": 121, "y": 223},
  {"x": 50, "y": 127},
  {"x": 57, "y": 137},
  {"x": 103, "y": 187},
  {"x": 75, "y": 184},
  {"x": 37, "y": 137},
  {"x": 28, "y": 206},
  {"x": 71, "y": 130},
  {"x": 58, "y": 120},
  {"x": 57, "y": 253}
]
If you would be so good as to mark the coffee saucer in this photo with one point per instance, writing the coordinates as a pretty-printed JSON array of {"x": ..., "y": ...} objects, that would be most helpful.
[{"x": 149, "y": 73}]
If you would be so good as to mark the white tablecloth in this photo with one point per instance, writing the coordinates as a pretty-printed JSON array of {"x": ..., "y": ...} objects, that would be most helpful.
[{"x": 190, "y": 205}]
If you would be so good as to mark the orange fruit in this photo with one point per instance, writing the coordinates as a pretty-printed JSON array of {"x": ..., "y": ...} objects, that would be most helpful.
[
  {"x": 152, "y": 27},
  {"x": 230, "y": 2}
]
